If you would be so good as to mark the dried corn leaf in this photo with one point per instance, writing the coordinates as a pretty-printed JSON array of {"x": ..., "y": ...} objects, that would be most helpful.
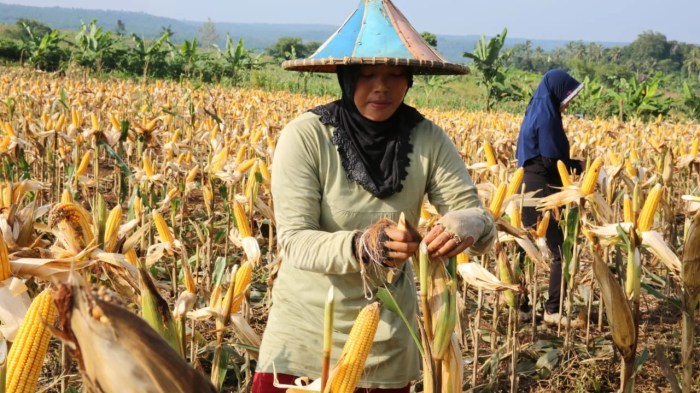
[
  {"x": 117, "y": 351},
  {"x": 476, "y": 275}
]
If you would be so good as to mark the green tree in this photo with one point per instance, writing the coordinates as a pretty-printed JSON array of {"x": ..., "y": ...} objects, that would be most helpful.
[
  {"x": 489, "y": 61},
  {"x": 42, "y": 52},
  {"x": 430, "y": 38},
  {"x": 95, "y": 44},
  {"x": 207, "y": 34},
  {"x": 24, "y": 26},
  {"x": 289, "y": 48},
  {"x": 150, "y": 55}
]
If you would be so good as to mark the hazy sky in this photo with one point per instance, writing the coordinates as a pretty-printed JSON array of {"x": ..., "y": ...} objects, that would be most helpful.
[{"x": 588, "y": 20}]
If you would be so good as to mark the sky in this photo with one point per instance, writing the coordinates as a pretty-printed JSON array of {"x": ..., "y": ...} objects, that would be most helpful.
[{"x": 585, "y": 20}]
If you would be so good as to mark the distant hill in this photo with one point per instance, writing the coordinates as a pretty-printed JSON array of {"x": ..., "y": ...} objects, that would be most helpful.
[{"x": 257, "y": 36}]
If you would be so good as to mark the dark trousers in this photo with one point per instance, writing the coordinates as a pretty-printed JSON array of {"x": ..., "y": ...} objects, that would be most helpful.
[
  {"x": 542, "y": 178},
  {"x": 263, "y": 383}
]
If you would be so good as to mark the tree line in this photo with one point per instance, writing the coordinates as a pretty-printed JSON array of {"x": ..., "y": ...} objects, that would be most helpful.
[{"x": 651, "y": 76}]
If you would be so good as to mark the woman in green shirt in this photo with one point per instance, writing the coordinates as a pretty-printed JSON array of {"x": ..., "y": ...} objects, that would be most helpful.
[{"x": 338, "y": 170}]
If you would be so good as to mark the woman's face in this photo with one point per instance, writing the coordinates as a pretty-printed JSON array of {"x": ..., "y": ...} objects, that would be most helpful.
[{"x": 380, "y": 90}]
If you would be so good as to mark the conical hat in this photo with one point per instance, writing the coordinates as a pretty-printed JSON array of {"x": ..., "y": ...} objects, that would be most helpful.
[{"x": 376, "y": 33}]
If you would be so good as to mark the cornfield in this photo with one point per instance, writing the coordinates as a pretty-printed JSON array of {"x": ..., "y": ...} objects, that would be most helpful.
[{"x": 146, "y": 207}]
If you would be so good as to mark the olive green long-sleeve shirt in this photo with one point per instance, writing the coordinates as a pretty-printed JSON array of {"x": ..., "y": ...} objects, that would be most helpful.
[{"x": 318, "y": 210}]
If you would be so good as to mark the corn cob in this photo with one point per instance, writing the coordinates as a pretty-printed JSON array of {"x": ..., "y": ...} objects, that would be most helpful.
[
  {"x": 541, "y": 231},
  {"x": 516, "y": 219},
  {"x": 627, "y": 212},
  {"x": 112, "y": 228},
  {"x": 490, "y": 155},
  {"x": 506, "y": 276},
  {"x": 244, "y": 166},
  {"x": 73, "y": 219},
  {"x": 5, "y": 271},
  {"x": 354, "y": 355},
  {"x": 219, "y": 160},
  {"x": 84, "y": 163},
  {"x": 563, "y": 174},
  {"x": 497, "y": 200},
  {"x": 162, "y": 227},
  {"x": 646, "y": 216},
  {"x": 31, "y": 344},
  {"x": 589, "y": 180},
  {"x": 243, "y": 277},
  {"x": 241, "y": 220},
  {"x": 148, "y": 166},
  {"x": 515, "y": 182}
]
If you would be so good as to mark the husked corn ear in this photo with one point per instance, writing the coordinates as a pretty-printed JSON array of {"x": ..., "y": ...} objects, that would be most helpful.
[
  {"x": 244, "y": 166},
  {"x": 244, "y": 275},
  {"x": 543, "y": 224},
  {"x": 490, "y": 155},
  {"x": 162, "y": 228},
  {"x": 241, "y": 153},
  {"x": 462, "y": 258},
  {"x": 77, "y": 218},
  {"x": 84, "y": 163},
  {"x": 516, "y": 218},
  {"x": 352, "y": 359},
  {"x": 627, "y": 210},
  {"x": 219, "y": 160},
  {"x": 112, "y": 228},
  {"x": 694, "y": 148},
  {"x": 591, "y": 176},
  {"x": 192, "y": 174},
  {"x": 497, "y": 200},
  {"x": 515, "y": 182},
  {"x": 5, "y": 271},
  {"x": 563, "y": 174},
  {"x": 264, "y": 172},
  {"x": 690, "y": 272},
  {"x": 241, "y": 220},
  {"x": 27, "y": 354},
  {"x": 646, "y": 216},
  {"x": 115, "y": 123},
  {"x": 148, "y": 166},
  {"x": 94, "y": 122},
  {"x": 629, "y": 168}
]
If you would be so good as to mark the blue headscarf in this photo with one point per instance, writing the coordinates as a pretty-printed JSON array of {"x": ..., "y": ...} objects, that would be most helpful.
[{"x": 542, "y": 131}]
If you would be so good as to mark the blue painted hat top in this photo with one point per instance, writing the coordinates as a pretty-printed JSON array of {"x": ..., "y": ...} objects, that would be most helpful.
[{"x": 376, "y": 33}]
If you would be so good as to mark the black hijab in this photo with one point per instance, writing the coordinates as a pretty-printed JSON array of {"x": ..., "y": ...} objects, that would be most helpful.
[{"x": 374, "y": 154}]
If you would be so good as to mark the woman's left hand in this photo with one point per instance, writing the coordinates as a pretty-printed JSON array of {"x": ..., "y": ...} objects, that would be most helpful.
[{"x": 441, "y": 243}]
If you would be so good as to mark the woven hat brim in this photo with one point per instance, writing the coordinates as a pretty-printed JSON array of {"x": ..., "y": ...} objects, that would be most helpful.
[{"x": 424, "y": 67}]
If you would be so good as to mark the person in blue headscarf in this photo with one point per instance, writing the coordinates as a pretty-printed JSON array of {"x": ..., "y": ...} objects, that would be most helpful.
[{"x": 541, "y": 143}]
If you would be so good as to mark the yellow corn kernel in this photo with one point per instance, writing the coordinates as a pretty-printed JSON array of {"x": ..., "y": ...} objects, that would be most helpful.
[
  {"x": 497, "y": 200},
  {"x": 352, "y": 359},
  {"x": 241, "y": 220},
  {"x": 646, "y": 216},
  {"x": 490, "y": 155},
  {"x": 244, "y": 275},
  {"x": 563, "y": 174},
  {"x": 66, "y": 197},
  {"x": 162, "y": 228},
  {"x": 515, "y": 182},
  {"x": 27, "y": 354},
  {"x": 694, "y": 148},
  {"x": 591, "y": 176},
  {"x": 462, "y": 258}
]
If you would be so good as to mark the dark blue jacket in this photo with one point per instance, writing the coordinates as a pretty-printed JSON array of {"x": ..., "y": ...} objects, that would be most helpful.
[{"x": 542, "y": 132}]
